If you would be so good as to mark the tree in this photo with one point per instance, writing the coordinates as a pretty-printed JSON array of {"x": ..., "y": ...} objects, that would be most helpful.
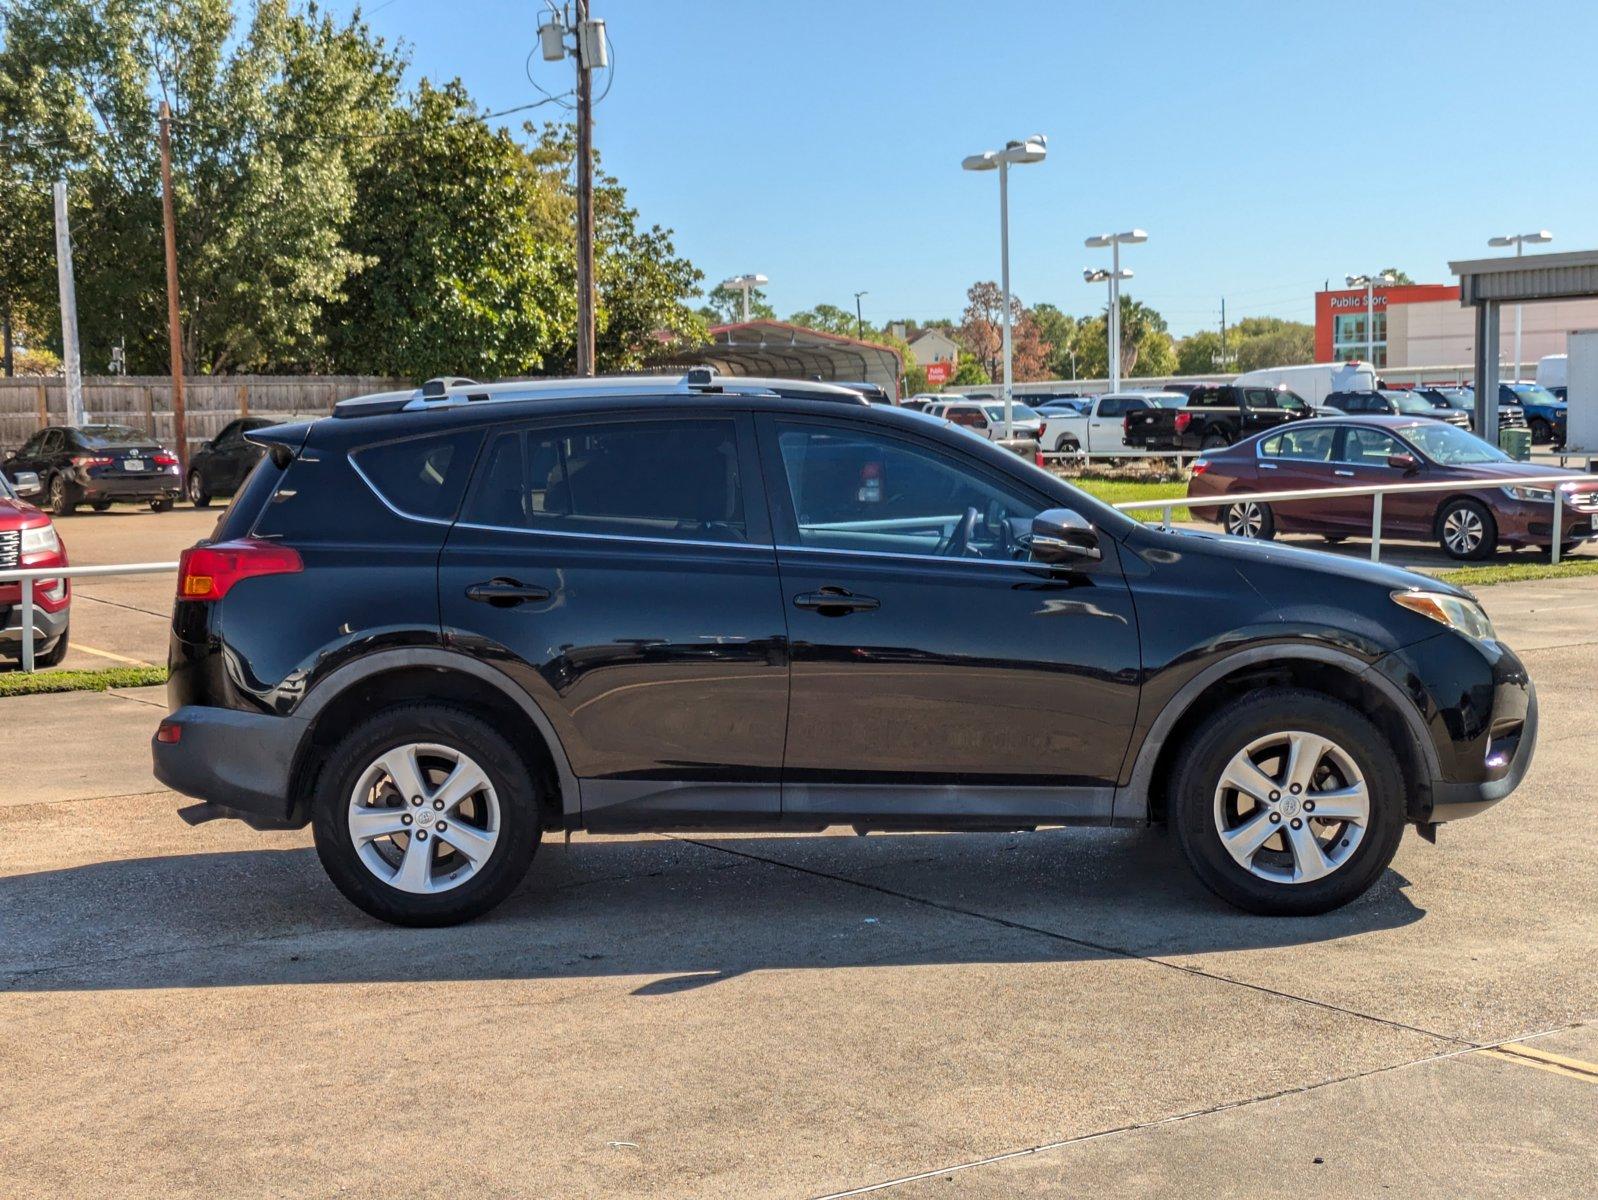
[
  {"x": 1059, "y": 330},
  {"x": 1199, "y": 353},
  {"x": 829, "y": 318},
  {"x": 271, "y": 125},
  {"x": 982, "y": 333},
  {"x": 725, "y": 306},
  {"x": 460, "y": 280},
  {"x": 1400, "y": 278},
  {"x": 969, "y": 372},
  {"x": 1146, "y": 345}
]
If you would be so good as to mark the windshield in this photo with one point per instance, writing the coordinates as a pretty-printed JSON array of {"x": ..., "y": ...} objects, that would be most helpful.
[
  {"x": 6, "y": 492},
  {"x": 1291, "y": 401},
  {"x": 96, "y": 436},
  {"x": 1451, "y": 446},
  {"x": 1021, "y": 412},
  {"x": 1409, "y": 403},
  {"x": 1531, "y": 393}
]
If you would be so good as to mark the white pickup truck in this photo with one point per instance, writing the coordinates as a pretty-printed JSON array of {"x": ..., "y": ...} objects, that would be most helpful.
[{"x": 1099, "y": 429}]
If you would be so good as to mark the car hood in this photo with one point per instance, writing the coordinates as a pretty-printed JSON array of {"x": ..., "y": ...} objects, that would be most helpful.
[
  {"x": 1510, "y": 471},
  {"x": 15, "y": 514}
]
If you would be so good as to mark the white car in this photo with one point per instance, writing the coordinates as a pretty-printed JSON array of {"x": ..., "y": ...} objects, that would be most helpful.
[{"x": 1067, "y": 430}]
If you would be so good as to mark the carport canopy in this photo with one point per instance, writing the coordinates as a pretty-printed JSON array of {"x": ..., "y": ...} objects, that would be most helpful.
[
  {"x": 1490, "y": 283},
  {"x": 783, "y": 351}
]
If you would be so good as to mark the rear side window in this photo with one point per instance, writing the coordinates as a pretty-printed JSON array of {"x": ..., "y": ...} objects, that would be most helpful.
[
  {"x": 421, "y": 477},
  {"x": 662, "y": 479}
]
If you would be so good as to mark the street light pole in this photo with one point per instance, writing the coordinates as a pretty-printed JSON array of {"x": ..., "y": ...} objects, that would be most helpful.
[
  {"x": 859, "y": 321},
  {"x": 1032, "y": 149},
  {"x": 746, "y": 284},
  {"x": 1519, "y": 240},
  {"x": 1114, "y": 241}
]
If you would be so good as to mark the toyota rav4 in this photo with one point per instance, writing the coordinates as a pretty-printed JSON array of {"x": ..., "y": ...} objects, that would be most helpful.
[{"x": 438, "y": 625}]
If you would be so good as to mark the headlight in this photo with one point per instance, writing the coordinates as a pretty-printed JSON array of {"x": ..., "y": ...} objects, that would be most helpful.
[
  {"x": 1456, "y": 612},
  {"x": 1534, "y": 494},
  {"x": 40, "y": 540}
]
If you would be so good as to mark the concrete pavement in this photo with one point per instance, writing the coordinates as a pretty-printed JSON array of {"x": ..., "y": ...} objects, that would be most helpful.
[{"x": 195, "y": 1011}]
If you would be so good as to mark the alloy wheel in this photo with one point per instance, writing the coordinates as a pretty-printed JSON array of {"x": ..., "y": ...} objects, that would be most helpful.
[
  {"x": 1292, "y": 807},
  {"x": 1463, "y": 531},
  {"x": 1245, "y": 520},
  {"x": 424, "y": 818}
]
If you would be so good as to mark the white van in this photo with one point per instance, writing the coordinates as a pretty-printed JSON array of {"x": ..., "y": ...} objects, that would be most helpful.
[
  {"x": 1314, "y": 381},
  {"x": 1553, "y": 370}
]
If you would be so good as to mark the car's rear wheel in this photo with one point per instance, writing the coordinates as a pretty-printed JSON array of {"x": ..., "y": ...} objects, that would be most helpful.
[
  {"x": 100, "y": 505},
  {"x": 62, "y": 502},
  {"x": 1333, "y": 539},
  {"x": 424, "y": 815},
  {"x": 1287, "y": 802},
  {"x": 1541, "y": 431},
  {"x": 1065, "y": 444},
  {"x": 1466, "y": 530},
  {"x": 1214, "y": 441},
  {"x": 198, "y": 496},
  {"x": 1250, "y": 519}
]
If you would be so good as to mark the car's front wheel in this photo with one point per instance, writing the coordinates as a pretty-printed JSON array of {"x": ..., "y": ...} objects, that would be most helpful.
[
  {"x": 1250, "y": 519},
  {"x": 62, "y": 501},
  {"x": 1287, "y": 802},
  {"x": 424, "y": 815},
  {"x": 1466, "y": 530},
  {"x": 1541, "y": 431}
]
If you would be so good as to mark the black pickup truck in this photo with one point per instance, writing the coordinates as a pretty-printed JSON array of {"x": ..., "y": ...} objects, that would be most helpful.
[{"x": 1214, "y": 415}]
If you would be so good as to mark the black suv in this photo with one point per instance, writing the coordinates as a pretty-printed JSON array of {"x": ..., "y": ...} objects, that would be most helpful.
[{"x": 438, "y": 624}]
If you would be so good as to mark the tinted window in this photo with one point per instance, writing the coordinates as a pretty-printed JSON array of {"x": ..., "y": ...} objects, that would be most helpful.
[
  {"x": 421, "y": 477},
  {"x": 1205, "y": 398},
  {"x": 1111, "y": 406},
  {"x": 1314, "y": 445},
  {"x": 1369, "y": 447},
  {"x": 639, "y": 478},
  {"x": 97, "y": 436},
  {"x": 861, "y": 490}
]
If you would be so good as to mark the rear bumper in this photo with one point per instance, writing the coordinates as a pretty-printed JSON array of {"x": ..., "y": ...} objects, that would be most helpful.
[
  {"x": 145, "y": 487},
  {"x": 239, "y": 761}
]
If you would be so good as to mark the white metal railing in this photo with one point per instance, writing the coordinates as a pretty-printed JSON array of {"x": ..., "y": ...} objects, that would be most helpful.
[
  {"x": 1376, "y": 492},
  {"x": 27, "y": 576}
]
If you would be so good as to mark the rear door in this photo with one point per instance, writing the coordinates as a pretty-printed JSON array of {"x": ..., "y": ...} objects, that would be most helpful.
[
  {"x": 620, "y": 567},
  {"x": 1362, "y": 456},
  {"x": 937, "y": 670},
  {"x": 1294, "y": 459}
]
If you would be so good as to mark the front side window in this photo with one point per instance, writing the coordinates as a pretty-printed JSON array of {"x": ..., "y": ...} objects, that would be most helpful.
[
  {"x": 1369, "y": 447},
  {"x": 860, "y": 490},
  {"x": 656, "y": 479}
]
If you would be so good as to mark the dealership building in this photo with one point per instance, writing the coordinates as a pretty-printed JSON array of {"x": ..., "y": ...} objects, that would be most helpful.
[{"x": 1424, "y": 325}]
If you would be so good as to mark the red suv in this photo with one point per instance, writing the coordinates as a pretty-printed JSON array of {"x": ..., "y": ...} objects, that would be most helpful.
[{"x": 28, "y": 540}]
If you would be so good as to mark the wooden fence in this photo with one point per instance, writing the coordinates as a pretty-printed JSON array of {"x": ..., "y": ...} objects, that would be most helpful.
[{"x": 145, "y": 401}]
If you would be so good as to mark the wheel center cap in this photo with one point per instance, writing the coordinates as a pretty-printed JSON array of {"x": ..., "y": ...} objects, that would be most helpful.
[
  {"x": 424, "y": 816},
  {"x": 1289, "y": 806}
]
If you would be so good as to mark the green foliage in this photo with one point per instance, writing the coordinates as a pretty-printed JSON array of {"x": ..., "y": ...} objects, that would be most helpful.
[
  {"x": 969, "y": 372},
  {"x": 1473, "y": 577},
  {"x": 15, "y": 683},
  {"x": 1125, "y": 491},
  {"x": 829, "y": 318},
  {"x": 1400, "y": 278},
  {"x": 1060, "y": 331},
  {"x": 1199, "y": 353},
  {"x": 1146, "y": 344},
  {"x": 725, "y": 306}
]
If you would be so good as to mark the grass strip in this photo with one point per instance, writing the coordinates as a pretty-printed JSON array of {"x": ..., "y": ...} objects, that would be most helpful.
[{"x": 16, "y": 683}]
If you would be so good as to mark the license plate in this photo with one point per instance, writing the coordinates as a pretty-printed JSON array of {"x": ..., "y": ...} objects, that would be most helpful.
[{"x": 133, "y": 464}]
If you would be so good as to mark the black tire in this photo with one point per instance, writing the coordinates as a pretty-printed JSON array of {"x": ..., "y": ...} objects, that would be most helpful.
[
  {"x": 1249, "y": 520},
  {"x": 1234, "y": 726},
  {"x": 1541, "y": 431},
  {"x": 1465, "y": 510},
  {"x": 1214, "y": 441},
  {"x": 198, "y": 496},
  {"x": 1334, "y": 539},
  {"x": 519, "y": 825},
  {"x": 54, "y": 656},
  {"x": 100, "y": 505},
  {"x": 62, "y": 502},
  {"x": 1065, "y": 444}
]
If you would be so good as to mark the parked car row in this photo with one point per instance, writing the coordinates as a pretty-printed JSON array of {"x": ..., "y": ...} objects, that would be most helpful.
[
  {"x": 1215, "y": 415},
  {"x": 1489, "y": 510},
  {"x": 104, "y": 464}
]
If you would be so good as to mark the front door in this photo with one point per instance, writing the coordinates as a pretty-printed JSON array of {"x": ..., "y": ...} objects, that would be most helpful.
[
  {"x": 1362, "y": 462},
  {"x": 937, "y": 670},
  {"x": 621, "y": 570}
]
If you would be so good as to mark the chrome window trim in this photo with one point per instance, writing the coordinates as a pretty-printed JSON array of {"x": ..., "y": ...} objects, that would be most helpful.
[
  {"x": 349, "y": 457},
  {"x": 611, "y": 537},
  {"x": 1026, "y": 564}
]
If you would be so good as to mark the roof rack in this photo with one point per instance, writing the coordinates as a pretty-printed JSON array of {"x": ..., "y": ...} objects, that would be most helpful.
[{"x": 448, "y": 392}]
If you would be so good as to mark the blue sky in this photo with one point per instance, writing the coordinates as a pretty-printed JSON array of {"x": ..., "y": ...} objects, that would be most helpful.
[{"x": 1266, "y": 147}]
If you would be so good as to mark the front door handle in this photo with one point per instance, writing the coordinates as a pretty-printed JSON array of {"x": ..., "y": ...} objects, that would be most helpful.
[
  {"x": 1344, "y": 474},
  {"x": 505, "y": 593},
  {"x": 835, "y": 602}
]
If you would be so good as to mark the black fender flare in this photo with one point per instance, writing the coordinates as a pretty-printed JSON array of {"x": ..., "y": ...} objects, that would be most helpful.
[
  {"x": 1132, "y": 806},
  {"x": 381, "y": 661}
]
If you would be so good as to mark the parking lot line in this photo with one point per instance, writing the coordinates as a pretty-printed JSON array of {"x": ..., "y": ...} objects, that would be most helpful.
[
  {"x": 1525, "y": 1056},
  {"x": 122, "y": 658}
]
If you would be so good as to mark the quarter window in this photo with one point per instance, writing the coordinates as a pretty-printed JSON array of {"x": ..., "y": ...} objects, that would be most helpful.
[
  {"x": 421, "y": 477},
  {"x": 1312, "y": 445},
  {"x": 671, "y": 479},
  {"x": 858, "y": 490}
]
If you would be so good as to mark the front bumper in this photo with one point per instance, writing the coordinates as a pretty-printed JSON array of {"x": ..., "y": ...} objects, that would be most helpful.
[
  {"x": 238, "y": 761},
  {"x": 1480, "y": 711},
  {"x": 47, "y": 626}
]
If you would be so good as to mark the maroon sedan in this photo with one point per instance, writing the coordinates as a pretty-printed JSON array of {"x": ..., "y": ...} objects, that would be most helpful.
[{"x": 1489, "y": 510}]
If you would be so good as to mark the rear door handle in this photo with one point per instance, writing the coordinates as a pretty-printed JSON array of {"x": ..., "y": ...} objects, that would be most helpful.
[
  {"x": 835, "y": 602},
  {"x": 505, "y": 593}
]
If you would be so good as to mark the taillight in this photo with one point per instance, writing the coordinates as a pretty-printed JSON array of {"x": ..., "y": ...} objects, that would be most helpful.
[
  {"x": 165, "y": 460},
  {"x": 169, "y": 731},
  {"x": 1200, "y": 465},
  {"x": 1183, "y": 420},
  {"x": 92, "y": 460},
  {"x": 208, "y": 572}
]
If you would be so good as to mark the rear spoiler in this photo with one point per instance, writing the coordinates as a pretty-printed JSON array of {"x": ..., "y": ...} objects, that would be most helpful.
[{"x": 283, "y": 442}]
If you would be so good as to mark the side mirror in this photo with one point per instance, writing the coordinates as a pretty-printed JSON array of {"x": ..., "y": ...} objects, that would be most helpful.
[
  {"x": 27, "y": 483},
  {"x": 1406, "y": 463},
  {"x": 1060, "y": 535}
]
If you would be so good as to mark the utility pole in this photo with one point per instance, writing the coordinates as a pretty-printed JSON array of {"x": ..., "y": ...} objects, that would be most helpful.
[
  {"x": 1223, "y": 331},
  {"x": 859, "y": 321},
  {"x": 71, "y": 361},
  {"x": 585, "y": 197},
  {"x": 174, "y": 332}
]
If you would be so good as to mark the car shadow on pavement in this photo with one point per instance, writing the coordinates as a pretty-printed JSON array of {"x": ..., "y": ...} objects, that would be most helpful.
[{"x": 678, "y": 913}]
